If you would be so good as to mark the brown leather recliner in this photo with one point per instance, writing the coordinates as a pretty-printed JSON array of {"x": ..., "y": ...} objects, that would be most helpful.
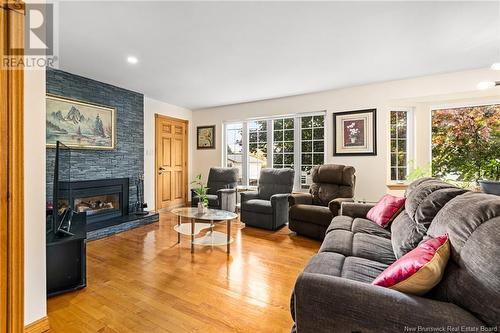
[{"x": 310, "y": 213}]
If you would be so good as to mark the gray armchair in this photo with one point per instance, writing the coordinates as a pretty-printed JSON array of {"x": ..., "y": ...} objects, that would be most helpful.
[
  {"x": 268, "y": 207},
  {"x": 221, "y": 185}
]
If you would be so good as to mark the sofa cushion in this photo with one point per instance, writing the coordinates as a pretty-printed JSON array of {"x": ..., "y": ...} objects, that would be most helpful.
[
  {"x": 312, "y": 214},
  {"x": 340, "y": 222},
  {"x": 426, "y": 198},
  {"x": 385, "y": 210},
  {"x": 472, "y": 222},
  {"x": 353, "y": 268},
  {"x": 275, "y": 181},
  {"x": 335, "y": 264},
  {"x": 419, "y": 270},
  {"x": 360, "y": 245},
  {"x": 357, "y": 225},
  {"x": 324, "y": 193},
  {"x": 331, "y": 181},
  {"x": 258, "y": 206},
  {"x": 405, "y": 234},
  {"x": 360, "y": 225},
  {"x": 221, "y": 178},
  {"x": 333, "y": 174}
]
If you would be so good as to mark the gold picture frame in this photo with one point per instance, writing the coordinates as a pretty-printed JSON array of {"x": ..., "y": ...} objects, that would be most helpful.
[{"x": 79, "y": 125}]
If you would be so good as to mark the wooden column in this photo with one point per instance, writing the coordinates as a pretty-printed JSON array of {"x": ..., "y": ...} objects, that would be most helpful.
[{"x": 11, "y": 170}]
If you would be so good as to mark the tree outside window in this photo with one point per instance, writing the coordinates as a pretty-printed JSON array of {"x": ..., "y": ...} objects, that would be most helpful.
[{"x": 466, "y": 143}]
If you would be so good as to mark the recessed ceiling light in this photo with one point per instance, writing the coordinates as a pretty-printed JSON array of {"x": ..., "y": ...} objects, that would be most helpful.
[
  {"x": 486, "y": 85},
  {"x": 132, "y": 60},
  {"x": 496, "y": 66}
]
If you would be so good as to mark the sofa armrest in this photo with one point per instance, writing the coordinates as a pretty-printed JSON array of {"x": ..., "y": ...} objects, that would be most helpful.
[
  {"x": 336, "y": 204},
  {"x": 332, "y": 304},
  {"x": 300, "y": 199},
  {"x": 227, "y": 199},
  {"x": 279, "y": 202},
  {"x": 245, "y": 196},
  {"x": 194, "y": 202},
  {"x": 355, "y": 209},
  {"x": 226, "y": 191},
  {"x": 279, "y": 199}
]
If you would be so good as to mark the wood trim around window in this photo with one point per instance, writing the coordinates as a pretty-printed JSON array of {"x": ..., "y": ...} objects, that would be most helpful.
[
  {"x": 11, "y": 173},
  {"x": 397, "y": 187}
]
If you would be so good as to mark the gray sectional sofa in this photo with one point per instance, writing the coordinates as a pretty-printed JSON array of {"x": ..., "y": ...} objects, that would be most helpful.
[{"x": 334, "y": 294}]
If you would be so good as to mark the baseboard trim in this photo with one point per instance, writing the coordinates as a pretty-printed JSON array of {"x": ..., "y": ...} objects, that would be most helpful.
[{"x": 38, "y": 326}]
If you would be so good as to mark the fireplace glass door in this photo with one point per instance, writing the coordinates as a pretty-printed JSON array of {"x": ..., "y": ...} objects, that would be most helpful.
[{"x": 98, "y": 205}]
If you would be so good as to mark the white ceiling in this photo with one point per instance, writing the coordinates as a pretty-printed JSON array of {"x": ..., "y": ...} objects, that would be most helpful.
[{"x": 201, "y": 54}]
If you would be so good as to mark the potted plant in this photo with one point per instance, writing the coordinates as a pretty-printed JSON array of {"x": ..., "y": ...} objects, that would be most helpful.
[
  {"x": 201, "y": 192},
  {"x": 491, "y": 184}
]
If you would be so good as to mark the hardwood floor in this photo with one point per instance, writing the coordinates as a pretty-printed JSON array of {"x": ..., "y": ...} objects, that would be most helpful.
[{"x": 142, "y": 281}]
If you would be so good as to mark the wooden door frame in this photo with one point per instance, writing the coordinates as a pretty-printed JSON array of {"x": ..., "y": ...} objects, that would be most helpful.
[
  {"x": 11, "y": 173},
  {"x": 186, "y": 152}
]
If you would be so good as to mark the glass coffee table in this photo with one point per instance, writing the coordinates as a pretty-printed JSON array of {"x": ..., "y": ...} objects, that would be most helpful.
[{"x": 211, "y": 216}]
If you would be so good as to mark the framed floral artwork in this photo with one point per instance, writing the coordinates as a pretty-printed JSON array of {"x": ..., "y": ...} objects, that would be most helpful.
[
  {"x": 355, "y": 133},
  {"x": 205, "y": 137}
]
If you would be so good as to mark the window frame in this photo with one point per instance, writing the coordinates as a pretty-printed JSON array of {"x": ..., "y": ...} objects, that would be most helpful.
[
  {"x": 244, "y": 147},
  {"x": 300, "y": 186},
  {"x": 410, "y": 126},
  {"x": 297, "y": 165}
]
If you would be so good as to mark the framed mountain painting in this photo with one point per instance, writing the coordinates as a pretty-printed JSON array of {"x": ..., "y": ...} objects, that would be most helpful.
[
  {"x": 355, "y": 133},
  {"x": 79, "y": 124}
]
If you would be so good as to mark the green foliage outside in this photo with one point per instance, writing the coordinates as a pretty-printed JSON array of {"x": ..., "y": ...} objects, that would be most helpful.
[{"x": 466, "y": 143}]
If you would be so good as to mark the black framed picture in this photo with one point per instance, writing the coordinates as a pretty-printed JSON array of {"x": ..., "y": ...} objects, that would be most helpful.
[
  {"x": 205, "y": 137},
  {"x": 355, "y": 133}
]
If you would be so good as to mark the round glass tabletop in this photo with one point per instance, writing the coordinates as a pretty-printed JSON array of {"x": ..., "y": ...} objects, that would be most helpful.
[{"x": 209, "y": 215}]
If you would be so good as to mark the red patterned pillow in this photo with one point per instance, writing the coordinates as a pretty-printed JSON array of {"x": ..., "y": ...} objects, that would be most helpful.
[
  {"x": 419, "y": 270},
  {"x": 385, "y": 210}
]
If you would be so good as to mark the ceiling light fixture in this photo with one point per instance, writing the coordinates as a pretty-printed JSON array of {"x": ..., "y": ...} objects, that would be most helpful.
[
  {"x": 132, "y": 60},
  {"x": 487, "y": 84}
]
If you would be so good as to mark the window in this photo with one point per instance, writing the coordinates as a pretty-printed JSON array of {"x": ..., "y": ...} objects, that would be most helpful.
[
  {"x": 312, "y": 140},
  {"x": 257, "y": 149},
  {"x": 295, "y": 142},
  {"x": 399, "y": 145},
  {"x": 234, "y": 147},
  {"x": 466, "y": 143},
  {"x": 283, "y": 143}
]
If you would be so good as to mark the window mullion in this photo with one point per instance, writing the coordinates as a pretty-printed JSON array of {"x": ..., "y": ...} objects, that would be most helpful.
[{"x": 296, "y": 152}]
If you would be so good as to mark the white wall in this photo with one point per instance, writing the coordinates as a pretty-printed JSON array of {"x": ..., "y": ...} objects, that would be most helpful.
[
  {"x": 152, "y": 107},
  {"x": 35, "y": 305},
  {"x": 371, "y": 171}
]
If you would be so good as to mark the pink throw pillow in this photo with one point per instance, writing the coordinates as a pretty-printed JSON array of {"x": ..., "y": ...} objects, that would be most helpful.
[
  {"x": 385, "y": 210},
  {"x": 418, "y": 271}
]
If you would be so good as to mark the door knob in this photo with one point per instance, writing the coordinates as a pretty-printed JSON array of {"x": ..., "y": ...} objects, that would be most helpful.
[{"x": 162, "y": 168}]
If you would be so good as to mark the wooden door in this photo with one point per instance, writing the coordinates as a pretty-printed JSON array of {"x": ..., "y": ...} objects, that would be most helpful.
[
  {"x": 171, "y": 162},
  {"x": 11, "y": 169}
]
